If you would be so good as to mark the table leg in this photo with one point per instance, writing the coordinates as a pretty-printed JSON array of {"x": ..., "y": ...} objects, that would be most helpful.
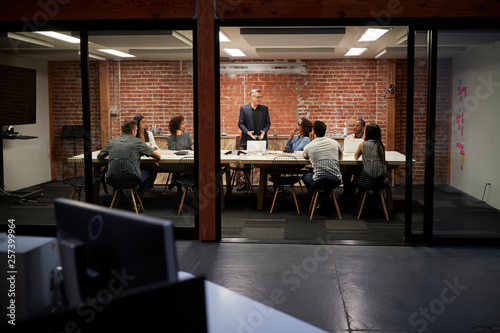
[
  {"x": 262, "y": 188},
  {"x": 389, "y": 198}
]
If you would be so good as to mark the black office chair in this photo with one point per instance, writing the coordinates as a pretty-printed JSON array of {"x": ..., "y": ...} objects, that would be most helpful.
[
  {"x": 242, "y": 172},
  {"x": 123, "y": 175},
  {"x": 327, "y": 185},
  {"x": 284, "y": 172},
  {"x": 185, "y": 176},
  {"x": 73, "y": 173}
]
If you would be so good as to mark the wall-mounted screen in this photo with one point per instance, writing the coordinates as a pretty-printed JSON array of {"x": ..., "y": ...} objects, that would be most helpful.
[{"x": 17, "y": 95}]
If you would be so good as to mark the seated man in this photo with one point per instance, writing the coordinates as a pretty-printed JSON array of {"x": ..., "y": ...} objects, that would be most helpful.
[
  {"x": 128, "y": 146},
  {"x": 324, "y": 175}
]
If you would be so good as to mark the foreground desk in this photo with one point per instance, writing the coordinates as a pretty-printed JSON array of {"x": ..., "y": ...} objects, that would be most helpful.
[{"x": 264, "y": 162}]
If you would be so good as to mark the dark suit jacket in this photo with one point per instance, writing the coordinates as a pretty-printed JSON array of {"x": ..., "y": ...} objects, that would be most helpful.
[{"x": 245, "y": 122}]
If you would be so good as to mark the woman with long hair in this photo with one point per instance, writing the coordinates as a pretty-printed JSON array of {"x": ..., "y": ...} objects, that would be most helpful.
[
  {"x": 143, "y": 133},
  {"x": 374, "y": 167}
]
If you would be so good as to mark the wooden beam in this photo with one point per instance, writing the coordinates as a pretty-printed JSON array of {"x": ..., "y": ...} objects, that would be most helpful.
[
  {"x": 206, "y": 135},
  {"x": 391, "y": 106},
  {"x": 104, "y": 102}
]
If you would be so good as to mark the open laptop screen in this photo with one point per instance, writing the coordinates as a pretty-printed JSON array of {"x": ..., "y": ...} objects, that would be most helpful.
[
  {"x": 351, "y": 145},
  {"x": 256, "y": 146}
]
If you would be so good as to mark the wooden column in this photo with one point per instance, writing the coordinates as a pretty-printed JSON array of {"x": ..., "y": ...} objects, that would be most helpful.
[
  {"x": 391, "y": 106},
  {"x": 104, "y": 102},
  {"x": 206, "y": 120}
]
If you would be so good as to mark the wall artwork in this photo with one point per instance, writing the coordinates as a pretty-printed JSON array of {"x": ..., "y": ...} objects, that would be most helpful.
[{"x": 462, "y": 92}]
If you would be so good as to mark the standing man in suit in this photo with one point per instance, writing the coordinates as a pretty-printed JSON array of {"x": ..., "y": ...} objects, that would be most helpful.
[{"x": 254, "y": 121}]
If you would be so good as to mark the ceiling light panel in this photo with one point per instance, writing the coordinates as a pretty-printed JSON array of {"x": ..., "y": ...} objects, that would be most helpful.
[
  {"x": 373, "y": 34},
  {"x": 356, "y": 51},
  {"x": 59, "y": 36},
  {"x": 235, "y": 52},
  {"x": 117, "y": 53}
]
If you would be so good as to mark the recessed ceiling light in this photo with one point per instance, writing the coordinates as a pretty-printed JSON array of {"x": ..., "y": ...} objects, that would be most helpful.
[
  {"x": 59, "y": 36},
  {"x": 223, "y": 38},
  {"x": 372, "y": 34},
  {"x": 235, "y": 52},
  {"x": 355, "y": 51},
  {"x": 402, "y": 40},
  {"x": 117, "y": 53}
]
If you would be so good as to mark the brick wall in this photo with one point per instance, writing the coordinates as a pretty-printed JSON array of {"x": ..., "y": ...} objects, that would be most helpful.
[{"x": 335, "y": 91}]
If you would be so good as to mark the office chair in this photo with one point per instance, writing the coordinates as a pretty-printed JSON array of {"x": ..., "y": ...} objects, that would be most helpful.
[
  {"x": 123, "y": 175},
  {"x": 327, "y": 185},
  {"x": 73, "y": 173},
  {"x": 370, "y": 184},
  {"x": 284, "y": 172},
  {"x": 185, "y": 176}
]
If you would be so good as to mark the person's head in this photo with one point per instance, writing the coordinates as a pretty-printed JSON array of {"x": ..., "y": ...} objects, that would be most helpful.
[
  {"x": 359, "y": 127},
  {"x": 319, "y": 128},
  {"x": 305, "y": 126},
  {"x": 129, "y": 127},
  {"x": 255, "y": 97},
  {"x": 176, "y": 123},
  {"x": 373, "y": 132},
  {"x": 141, "y": 122}
]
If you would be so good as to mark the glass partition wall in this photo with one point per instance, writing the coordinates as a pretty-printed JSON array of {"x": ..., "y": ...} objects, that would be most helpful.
[
  {"x": 465, "y": 203},
  {"x": 147, "y": 73}
]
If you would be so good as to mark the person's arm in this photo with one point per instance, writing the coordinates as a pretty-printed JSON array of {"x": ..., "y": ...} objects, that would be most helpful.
[
  {"x": 289, "y": 143},
  {"x": 190, "y": 141},
  {"x": 156, "y": 155},
  {"x": 305, "y": 140},
  {"x": 152, "y": 141},
  {"x": 359, "y": 151},
  {"x": 241, "y": 123},
  {"x": 267, "y": 124},
  {"x": 171, "y": 142}
]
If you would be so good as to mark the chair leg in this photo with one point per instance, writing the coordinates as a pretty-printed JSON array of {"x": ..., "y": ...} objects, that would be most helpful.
[
  {"x": 362, "y": 203},
  {"x": 336, "y": 205},
  {"x": 295, "y": 198},
  {"x": 359, "y": 201},
  {"x": 182, "y": 200},
  {"x": 116, "y": 194},
  {"x": 72, "y": 193},
  {"x": 132, "y": 194},
  {"x": 139, "y": 200},
  {"x": 274, "y": 199},
  {"x": 383, "y": 205},
  {"x": 313, "y": 203},
  {"x": 249, "y": 184}
]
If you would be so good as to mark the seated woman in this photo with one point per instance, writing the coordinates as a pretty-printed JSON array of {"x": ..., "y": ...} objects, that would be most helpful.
[
  {"x": 372, "y": 175},
  {"x": 304, "y": 127},
  {"x": 143, "y": 133},
  {"x": 148, "y": 138},
  {"x": 179, "y": 139}
]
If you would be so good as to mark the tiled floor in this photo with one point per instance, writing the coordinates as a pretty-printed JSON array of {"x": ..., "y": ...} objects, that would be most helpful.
[{"x": 342, "y": 288}]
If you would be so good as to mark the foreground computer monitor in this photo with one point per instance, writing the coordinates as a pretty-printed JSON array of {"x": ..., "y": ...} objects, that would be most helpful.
[{"x": 105, "y": 252}]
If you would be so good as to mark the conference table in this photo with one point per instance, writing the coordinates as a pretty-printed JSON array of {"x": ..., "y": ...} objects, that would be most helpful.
[{"x": 262, "y": 161}]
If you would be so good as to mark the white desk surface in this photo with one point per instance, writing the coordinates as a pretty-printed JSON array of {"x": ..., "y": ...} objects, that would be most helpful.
[
  {"x": 168, "y": 156},
  {"x": 228, "y": 311}
]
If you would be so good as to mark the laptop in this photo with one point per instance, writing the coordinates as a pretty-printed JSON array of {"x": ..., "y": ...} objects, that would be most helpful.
[
  {"x": 351, "y": 145},
  {"x": 256, "y": 146}
]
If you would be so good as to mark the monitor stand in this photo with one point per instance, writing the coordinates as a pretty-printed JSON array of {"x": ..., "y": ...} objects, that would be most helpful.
[{"x": 23, "y": 196}]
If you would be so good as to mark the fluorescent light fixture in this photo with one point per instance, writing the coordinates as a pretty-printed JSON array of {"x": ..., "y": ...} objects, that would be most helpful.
[
  {"x": 59, "y": 36},
  {"x": 372, "y": 34},
  {"x": 355, "y": 51},
  {"x": 223, "y": 38},
  {"x": 182, "y": 38},
  {"x": 117, "y": 53},
  {"x": 402, "y": 40},
  {"x": 381, "y": 53},
  {"x": 235, "y": 52},
  {"x": 94, "y": 56},
  {"x": 30, "y": 40}
]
